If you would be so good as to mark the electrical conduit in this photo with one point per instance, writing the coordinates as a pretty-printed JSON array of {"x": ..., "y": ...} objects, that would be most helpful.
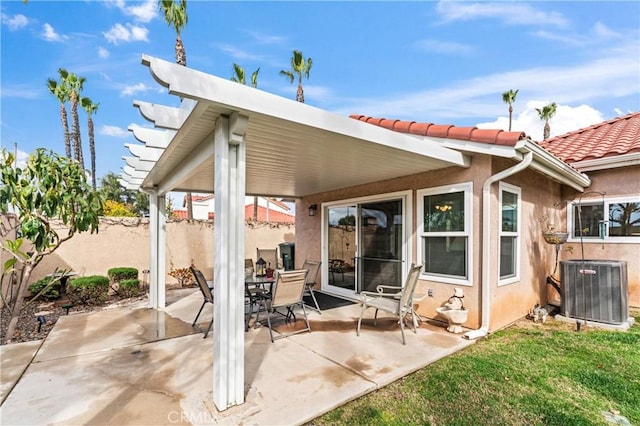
[{"x": 486, "y": 243}]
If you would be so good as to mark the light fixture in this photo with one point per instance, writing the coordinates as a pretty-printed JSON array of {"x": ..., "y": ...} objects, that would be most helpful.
[
  {"x": 313, "y": 208},
  {"x": 260, "y": 268}
]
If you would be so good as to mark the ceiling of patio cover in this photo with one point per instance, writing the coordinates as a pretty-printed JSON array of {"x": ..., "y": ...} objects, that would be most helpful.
[{"x": 292, "y": 149}]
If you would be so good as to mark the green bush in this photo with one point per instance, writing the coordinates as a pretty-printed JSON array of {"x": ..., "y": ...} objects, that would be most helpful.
[
  {"x": 129, "y": 288},
  {"x": 91, "y": 290},
  {"x": 51, "y": 286},
  {"x": 124, "y": 273}
]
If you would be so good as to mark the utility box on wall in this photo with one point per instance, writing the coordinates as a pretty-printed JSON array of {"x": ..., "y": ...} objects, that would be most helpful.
[
  {"x": 595, "y": 290},
  {"x": 287, "y": 252}
]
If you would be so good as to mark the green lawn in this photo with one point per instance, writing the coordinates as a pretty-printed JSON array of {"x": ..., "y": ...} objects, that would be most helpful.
[{"x": 527, "y": 374}]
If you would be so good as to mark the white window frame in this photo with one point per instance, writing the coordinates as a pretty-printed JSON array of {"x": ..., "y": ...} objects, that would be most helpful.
[
  {"x": 467, "y": 188},
  {"x": 505, "y": 187},
  {"x": 607, "y": 201}
]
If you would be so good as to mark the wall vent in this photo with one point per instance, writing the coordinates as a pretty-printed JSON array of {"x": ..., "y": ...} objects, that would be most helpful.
[{"x": 595, "y": 290}]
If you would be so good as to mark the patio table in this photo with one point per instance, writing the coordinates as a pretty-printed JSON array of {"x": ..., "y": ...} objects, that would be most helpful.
[{"x": 255, "y": 287}]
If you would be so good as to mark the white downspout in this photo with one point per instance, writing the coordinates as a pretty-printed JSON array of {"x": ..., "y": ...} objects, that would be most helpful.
[{"x": 486, "y": 242}]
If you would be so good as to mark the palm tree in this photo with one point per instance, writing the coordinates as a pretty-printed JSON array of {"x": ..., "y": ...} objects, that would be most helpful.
[
  {"x": 299, "y": 67},
  {"x": 75, "y": 84},
  {"x": 91, "y": 108},
  {"x": 175, "y": 15},
  {"x": 546, "y": 113},
  {"x": 509, "y": 97},
  {"x": 60, "y": 91},
  {"x": 239, "y": 77}
]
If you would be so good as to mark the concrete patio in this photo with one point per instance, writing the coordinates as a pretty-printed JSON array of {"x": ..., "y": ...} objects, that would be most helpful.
[{"x": 138, "y": 366}]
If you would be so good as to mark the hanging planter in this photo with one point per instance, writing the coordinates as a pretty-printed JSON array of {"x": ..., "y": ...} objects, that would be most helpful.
[{"x": 555, "y": 238}]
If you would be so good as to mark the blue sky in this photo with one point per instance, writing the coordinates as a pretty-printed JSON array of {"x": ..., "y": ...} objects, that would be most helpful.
[{"x": 428, "y": 61}]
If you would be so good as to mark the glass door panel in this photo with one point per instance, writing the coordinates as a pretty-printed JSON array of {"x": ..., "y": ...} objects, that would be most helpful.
[
  {"x": 342, "y": 231},
  {"x": 381, "y": 236}
]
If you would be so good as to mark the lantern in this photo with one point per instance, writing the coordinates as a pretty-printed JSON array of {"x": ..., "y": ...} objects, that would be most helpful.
[{"x": 260, "y": 268}]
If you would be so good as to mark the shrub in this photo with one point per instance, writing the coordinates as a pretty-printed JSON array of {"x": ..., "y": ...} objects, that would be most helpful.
[
  {"x": 129, "y": 288},
  {"x": 49, "y": 286},
  {"x": 118, "y": 274},
  {"x": 183, "y": 276},
  {"x": 91, "y": 290}
]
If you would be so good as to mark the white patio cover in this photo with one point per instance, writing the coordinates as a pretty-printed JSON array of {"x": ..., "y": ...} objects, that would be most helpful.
[{"x": 235, "y": 140}]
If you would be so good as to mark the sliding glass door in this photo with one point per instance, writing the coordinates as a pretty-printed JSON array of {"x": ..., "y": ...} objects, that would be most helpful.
[{"x": 366, "y": 244}]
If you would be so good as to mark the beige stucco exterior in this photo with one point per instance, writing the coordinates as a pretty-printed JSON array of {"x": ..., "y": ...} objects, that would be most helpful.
[
  {"x": 539, "y": 196},
  {"x": 125, "y": 242},
  {"x": 617, "y": 182}
]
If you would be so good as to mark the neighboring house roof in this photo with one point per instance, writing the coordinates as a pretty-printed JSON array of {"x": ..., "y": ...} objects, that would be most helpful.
[
  {"x": 600, "y": 146},
  {"x": 449, "y": 131},
  {"x": 274, "y": 215}
]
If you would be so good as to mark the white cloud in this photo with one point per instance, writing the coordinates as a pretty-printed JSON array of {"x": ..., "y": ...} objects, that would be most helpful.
[
  {"x": 114, "y": 131},
  {"x": 139, "y": 88},
  {"x": 237, "y": 53},
  {"x": 266, "y": 38},
  {"x": 567, "y": 119},
  {"x": 119, "y": 33},
  {"x": 103, "y": 53},
  {"x": 606, "y": 77},
  {"x": 21, "y": 91},
  {"x": 601, "y": 30},
  {"x": 446, "y": 47},
  {"x": 513, "y": 13},
  {"x": 49, "y": 34},
  {"x": 141, "y": 11},
  {"x": 15, "y": 22}
]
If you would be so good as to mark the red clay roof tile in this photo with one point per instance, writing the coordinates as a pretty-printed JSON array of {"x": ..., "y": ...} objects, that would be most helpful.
[
  {"x": 472, "y": 134},
  {"x": 618, "y": 136}
]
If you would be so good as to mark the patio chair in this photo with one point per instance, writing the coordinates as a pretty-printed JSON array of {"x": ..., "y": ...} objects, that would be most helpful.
[
  {"x": 206, "y": 294},
  {"x": 287, "y": 293},
  {"x": 268, "y": 255},
  {"x": 313, "y": 267},
  {"x": 390, "y": 302}
]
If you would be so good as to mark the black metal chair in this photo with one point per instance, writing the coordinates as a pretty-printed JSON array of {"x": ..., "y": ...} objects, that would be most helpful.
[{"x": 206, "y": 294}]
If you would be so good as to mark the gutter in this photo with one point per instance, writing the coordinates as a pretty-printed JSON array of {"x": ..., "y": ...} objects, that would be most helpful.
[{"x": 486, "y": 242}]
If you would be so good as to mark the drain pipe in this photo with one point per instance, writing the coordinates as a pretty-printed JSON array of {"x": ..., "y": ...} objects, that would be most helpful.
[{"x": 486, "y": 242}]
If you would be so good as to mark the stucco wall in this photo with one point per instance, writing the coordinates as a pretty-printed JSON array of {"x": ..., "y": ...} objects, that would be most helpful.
[
  {"x": 309, "y": 228},
  {"x": 125, "y": 242},
  {"x": 618, "y": 182},
  {"x": 539, "y": 196}
]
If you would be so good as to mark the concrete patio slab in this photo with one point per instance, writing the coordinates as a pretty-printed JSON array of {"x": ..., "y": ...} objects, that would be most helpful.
[
  {"x": 139, "y": 366},
  {"x": 14, "y": 360}
]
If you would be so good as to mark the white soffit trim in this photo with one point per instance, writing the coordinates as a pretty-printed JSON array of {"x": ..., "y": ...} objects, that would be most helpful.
[
  {"x": 152, "y": 138},
  {"x": 189, "y": 83},
  {"x": 476, "y": 147},
  {"x": 139, "y": 164},
  {"x": 133, "y": 172},
  {"x": 131, "y": 179},
  {"x": 552, "y": 166},
  {"x": 161, "y": 115},
  {"x": 144, "y": 152},
  {"x": 624, "y": 160},
  {"x": 128, "y": 185}
]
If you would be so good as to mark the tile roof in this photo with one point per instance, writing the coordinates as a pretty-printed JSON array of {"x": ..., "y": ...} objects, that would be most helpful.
[
  {"x": 472, "y": 134},
  {"x": 274, "y": 216},
  {"x": 618, "y": 136}
]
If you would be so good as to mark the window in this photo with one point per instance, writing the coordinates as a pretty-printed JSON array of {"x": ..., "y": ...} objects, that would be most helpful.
[
  {"x": 444, "y": 232},
  {"x": 615, "y": 220},
  {"x": 509, "y": 233}
]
